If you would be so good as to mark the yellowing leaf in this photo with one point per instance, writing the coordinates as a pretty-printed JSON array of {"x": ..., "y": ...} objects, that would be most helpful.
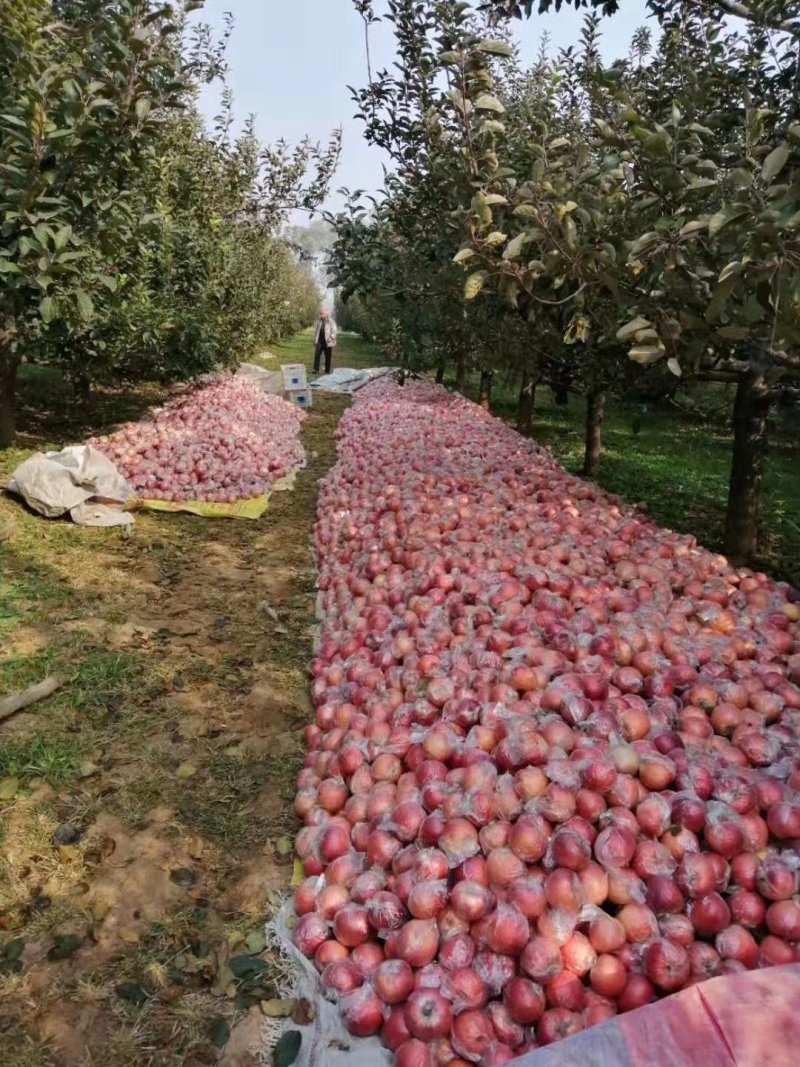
[
  {"x": 298, "y": 874},
  {"x": 674, "y": 367},
  {"x": 624, "y": 333},
  {"x": 516, "y": 245},
  {"x": 279, "y": 1008},
  {"x": 186, "y": 770},
  {"x": 645, "y": 354},
  {"x": 8, "y": 788},
  {"x": 495, "y": 48},
  {"x": 463, "y": 254},
  {"x": 487, "y": 102},
  {"x": 474, "y": 284}
]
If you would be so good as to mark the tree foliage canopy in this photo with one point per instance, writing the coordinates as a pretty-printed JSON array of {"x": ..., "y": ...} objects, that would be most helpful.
[
  {"x": 134, "y": 241},
  {"x": 640, "y": 218}
]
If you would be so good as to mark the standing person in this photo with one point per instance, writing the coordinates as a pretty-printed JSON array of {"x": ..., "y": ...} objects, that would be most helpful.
[{"x": 324, "y": 341}]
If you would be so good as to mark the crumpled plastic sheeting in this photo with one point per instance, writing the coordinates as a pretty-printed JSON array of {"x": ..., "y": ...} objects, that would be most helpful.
[
  {"x": 269, "y": 381},
  {"x": 326, "y": 1041},
  {"x": 91, "y": 514},
  {"x": 54, "y": 483},
  {"x": 750, "y": 1019},
  {"x": 347, "y": 380}
]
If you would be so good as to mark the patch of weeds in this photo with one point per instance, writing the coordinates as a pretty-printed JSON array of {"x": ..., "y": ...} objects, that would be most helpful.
[
  {"x": 104, "y": 677},
  {"x": 18, "y": 672},
  {"x": 216, "y": 806},
  {"x": 55, "y": 759}
]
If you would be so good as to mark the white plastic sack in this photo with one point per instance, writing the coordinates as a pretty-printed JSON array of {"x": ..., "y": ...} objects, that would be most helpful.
[
  {"x": 348, "y": 380},
  {"x": 269, "y": 381},
  {"x": 326, "y": 1042},
  {"x": 54, "y": 483}
]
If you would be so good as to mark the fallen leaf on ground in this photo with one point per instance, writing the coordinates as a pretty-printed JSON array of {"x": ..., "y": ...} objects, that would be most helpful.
[
  {"x": 8, "y": 788},
  {"x": 303, "y": 1012},
  {"x": 278, "y": 1008}
]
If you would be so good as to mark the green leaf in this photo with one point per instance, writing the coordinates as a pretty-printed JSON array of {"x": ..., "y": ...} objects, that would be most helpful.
[
  {"x": 7, "y": 267},
  {"x": 643, "y": 242},
  {"x": 494, "y": 198},
  {"x": 474, "y": 284},
  {"x": 729, "y": 213},
  {"x": 559, "y": 142},
  {"x": 65, "y": 946},
  {"x": 142, "y": 107},
  {"x": 450, "y": 57},
  {"x": 85, "y": 305},
  {"x": 732, "y": 268},
  {"x": 132, "y": 992},
  {"x": 108, "y": 281},
  {"x": 495, "y": 48},
  {"x": 695, "y": 226},
  {"x": 288, "y": 1049},
  {"x": 219, "y": 1032},
  {"x": 775, "y": 162},
  {"x": 61, "y": 239},
  {"x": 487, "y": 102},
  {"x": 702, "y": 185},
  {"x": 246, "y": 966},
  {"x": 48, "y": 309}
]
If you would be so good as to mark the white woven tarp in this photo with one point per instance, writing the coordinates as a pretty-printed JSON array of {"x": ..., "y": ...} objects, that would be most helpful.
[
  {"x": 326, "y": 1041},
  {"x": 348, "y": 380},
  {"x": 54, "y": 483}
]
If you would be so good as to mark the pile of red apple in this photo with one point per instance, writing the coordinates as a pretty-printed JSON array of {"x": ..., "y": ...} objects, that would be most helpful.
[
  {"x": 555, "y": 770},
  {"x": 218, "y": 442}
]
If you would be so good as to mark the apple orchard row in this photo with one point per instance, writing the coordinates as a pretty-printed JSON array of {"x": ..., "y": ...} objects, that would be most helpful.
[{"x": 554, "y": 772}]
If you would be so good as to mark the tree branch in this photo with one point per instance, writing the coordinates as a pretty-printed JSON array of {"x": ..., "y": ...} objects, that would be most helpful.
[
  {"x": 742, "y": 11},
  {"x": 716, "y": 376},
  {"x": 785, "y": 360}
]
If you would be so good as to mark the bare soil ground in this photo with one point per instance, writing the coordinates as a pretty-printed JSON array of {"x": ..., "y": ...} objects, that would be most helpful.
[{"x": 145, "y": 809}]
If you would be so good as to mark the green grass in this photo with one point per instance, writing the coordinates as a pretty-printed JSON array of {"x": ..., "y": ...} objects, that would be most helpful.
[
  {"x": 677, "y": 460},
  {"x": 54, "y": 759},
  {"x": 351, "y": 351}
]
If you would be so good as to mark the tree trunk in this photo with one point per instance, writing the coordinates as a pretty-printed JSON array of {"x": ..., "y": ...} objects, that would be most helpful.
[
  {"x": 441, "y": 366},
  {"x": 9, "y": 362},
  {"x": 461, "y": 372},
  {"x": 562, "y": 380},
  {"x": 527, "y": 401},
  {"x": 83, "y": 388},
  {"x": 485, "y": 389},
  {"x": 595, "y": 409},
  {"x": 750, "y": 411}
]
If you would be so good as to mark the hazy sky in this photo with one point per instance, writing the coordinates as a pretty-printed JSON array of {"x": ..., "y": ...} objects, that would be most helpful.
[{"x": 292, "y": 60}]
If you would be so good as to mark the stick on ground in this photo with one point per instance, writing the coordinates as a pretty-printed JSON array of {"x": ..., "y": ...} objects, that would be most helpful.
[{"x": 10, "y": 705}]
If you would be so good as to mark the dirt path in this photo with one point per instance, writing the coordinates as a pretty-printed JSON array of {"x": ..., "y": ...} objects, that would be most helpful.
[{"x": 145, "y": 811}]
